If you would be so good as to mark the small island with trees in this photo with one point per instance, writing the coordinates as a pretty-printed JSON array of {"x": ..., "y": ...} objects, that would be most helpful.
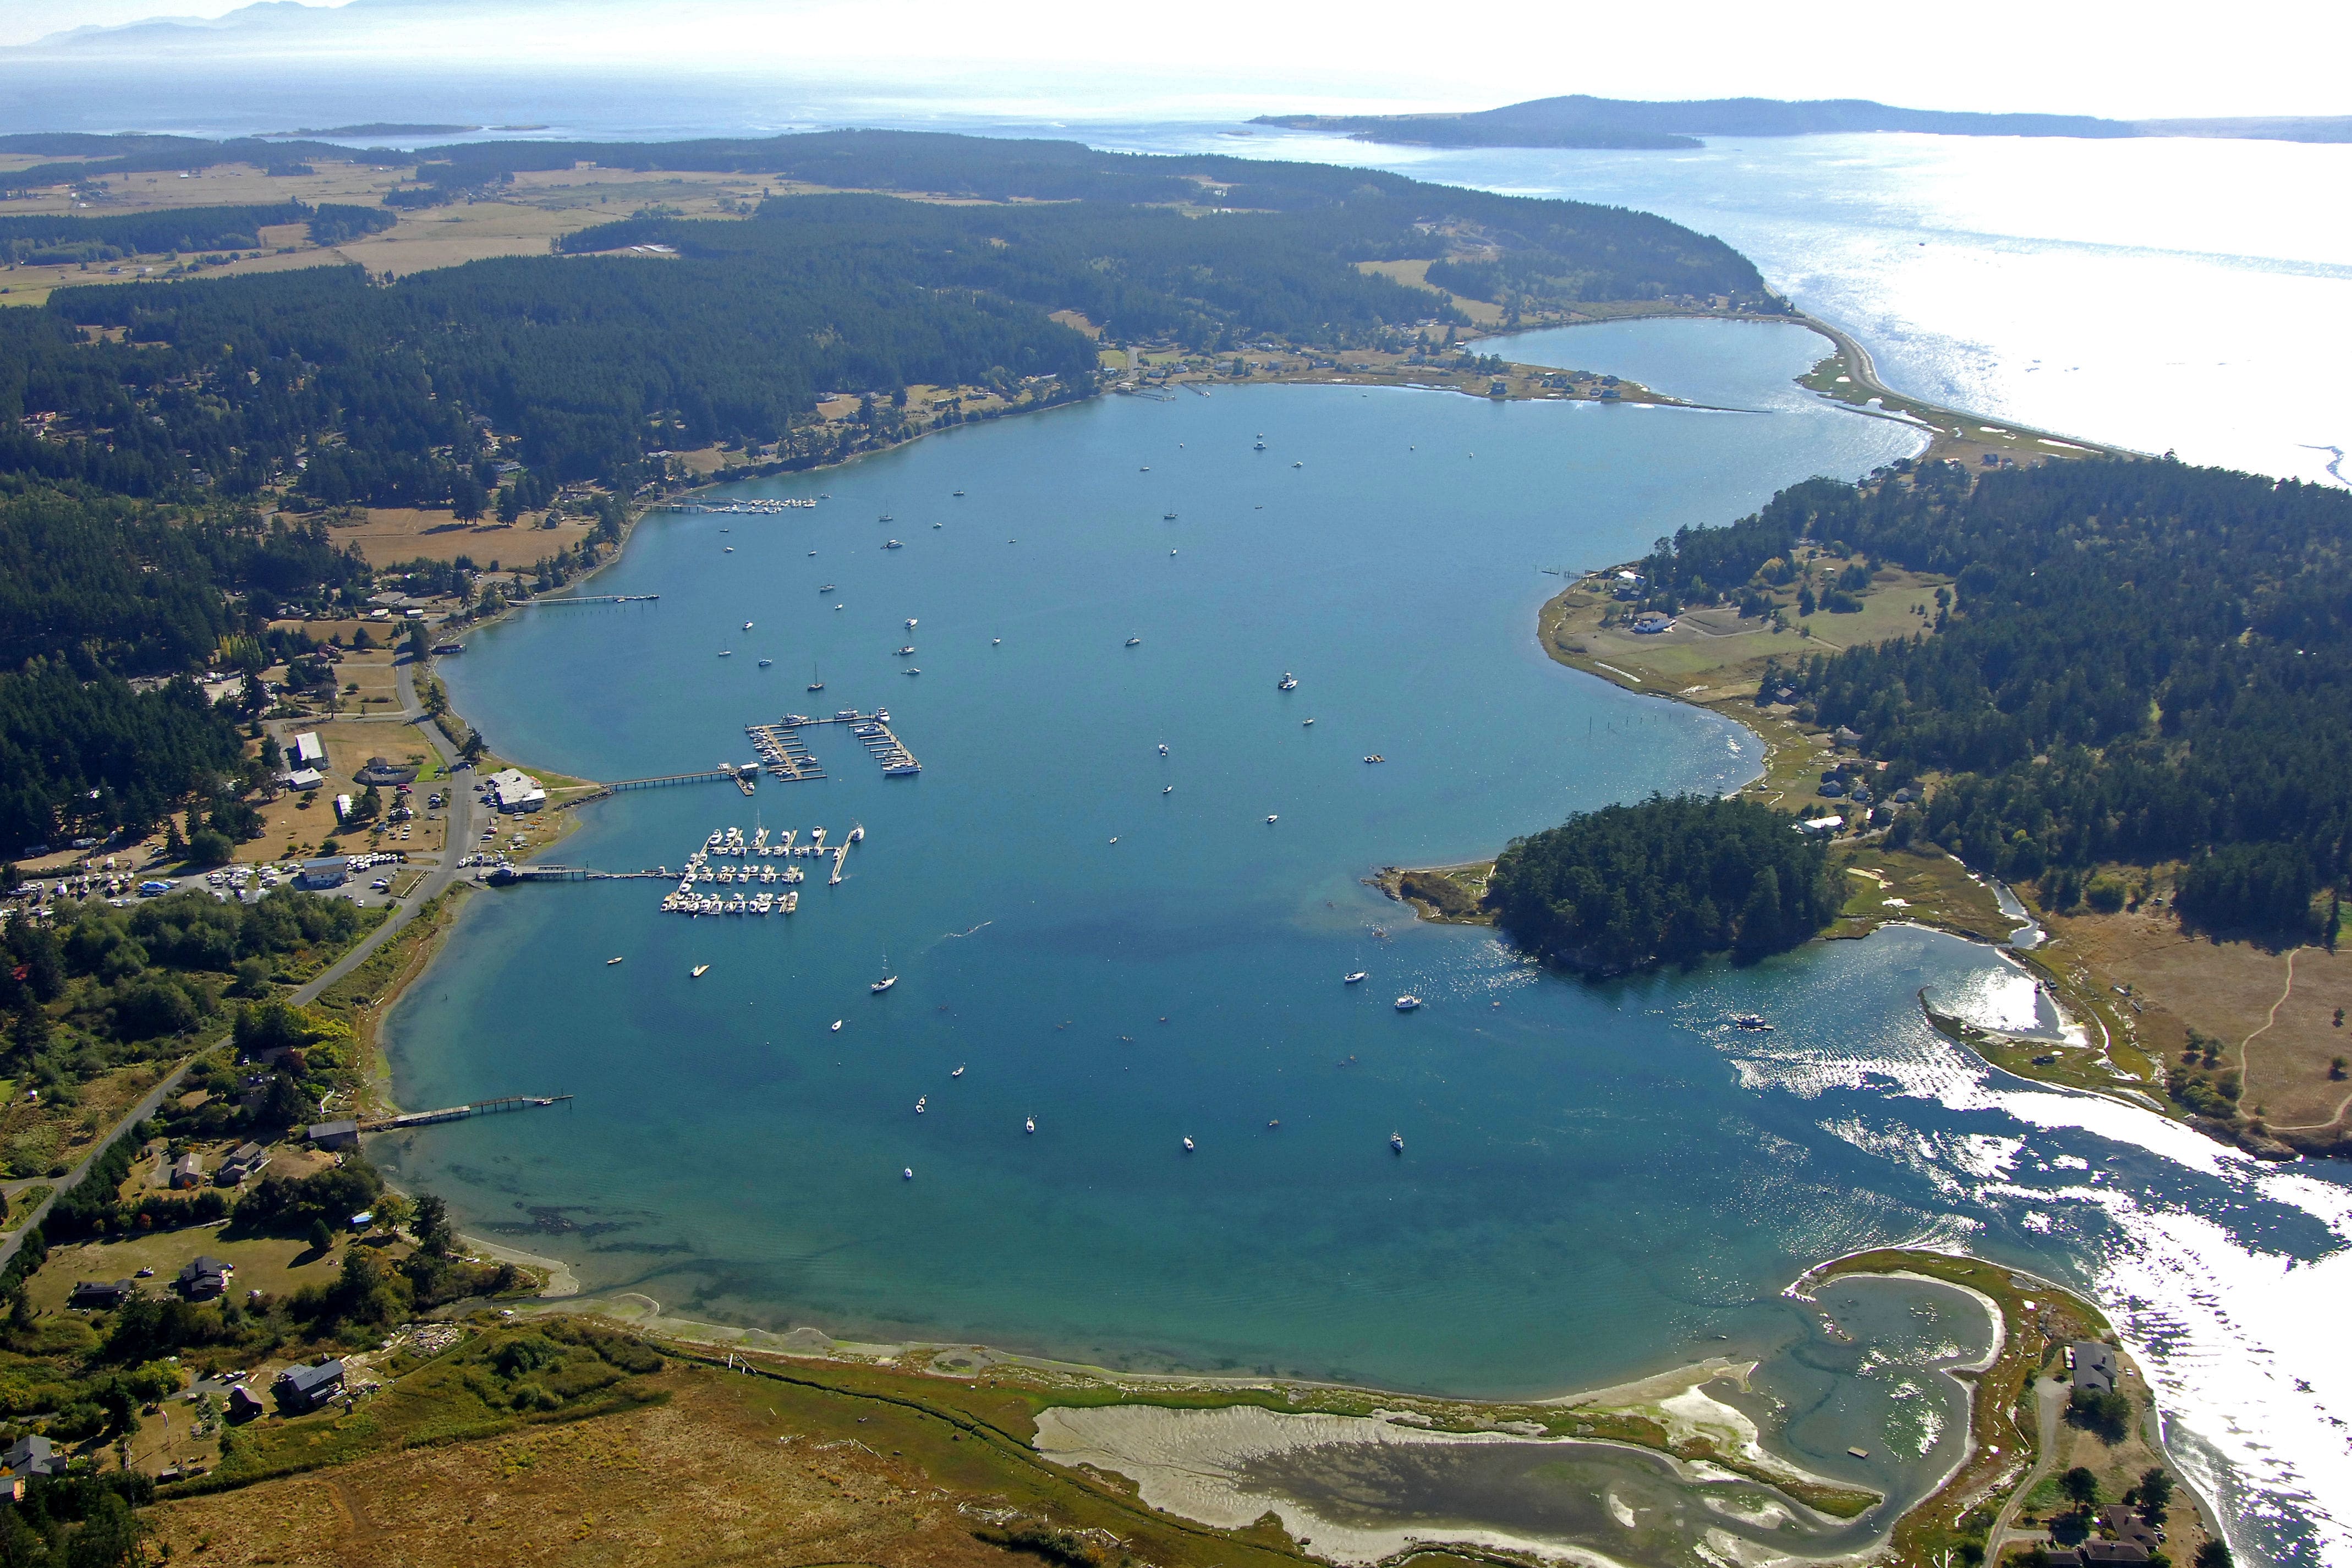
[{"x": 1673, "y": 879}]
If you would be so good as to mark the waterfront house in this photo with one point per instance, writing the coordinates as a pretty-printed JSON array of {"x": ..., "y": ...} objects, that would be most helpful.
[
  {"x": 305, "y": 1388},
  {"x": 204, "y": 1278},
  {"x": 335, "y": 1134},
  {"x": 1650, "y": 622},
  {"x": 1821, "y": 824},
  {"x": 2125, "y": 1524},
  {"x": 2094, "y": 1366}
]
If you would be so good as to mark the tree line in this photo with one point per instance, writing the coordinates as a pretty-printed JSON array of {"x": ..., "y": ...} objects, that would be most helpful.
[{"x": 2143, "y": 661}]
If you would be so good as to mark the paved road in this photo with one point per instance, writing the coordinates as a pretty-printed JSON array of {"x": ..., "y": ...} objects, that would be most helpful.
[
  {"x": 461, "y": 811},
  {"x": 2050, "y": 1393}
]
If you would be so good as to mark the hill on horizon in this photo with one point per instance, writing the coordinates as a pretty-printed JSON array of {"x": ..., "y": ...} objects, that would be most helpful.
[{"x": 1578, "y": 119}]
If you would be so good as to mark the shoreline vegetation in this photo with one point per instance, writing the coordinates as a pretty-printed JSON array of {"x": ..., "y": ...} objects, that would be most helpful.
[{"x": 982, "y": 1431}]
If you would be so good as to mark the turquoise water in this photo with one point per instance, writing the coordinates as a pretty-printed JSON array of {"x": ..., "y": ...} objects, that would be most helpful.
[{"x": 1597, "y": 1181}]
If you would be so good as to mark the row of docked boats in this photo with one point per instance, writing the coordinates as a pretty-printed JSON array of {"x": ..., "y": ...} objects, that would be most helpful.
[{"x": 783, "y": 903}]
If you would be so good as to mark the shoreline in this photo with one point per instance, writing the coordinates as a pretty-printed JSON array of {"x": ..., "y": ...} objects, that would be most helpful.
[{"x": 1691, "y": 1439}]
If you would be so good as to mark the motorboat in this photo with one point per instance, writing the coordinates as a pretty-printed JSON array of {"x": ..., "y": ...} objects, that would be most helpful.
[
  {"x": 828, "y": 587},
  {"x": 1188, "y": 1146},
  {"x": 857, "y": 834},
  {"x": 905, "y": 651},
  {"x": 883, "y": 985},
  {"x": 1307, "y": 723},
  {"x": 698, "y": 970},
  {"x": 959, "y": 493},
  {"x": 911, "y": 622},
  {"x": 1753, "y": 1021},
  {"x": 1029, "y": 1124},
  {"x": 1167, "y": 516},
  {"x": 1357, "y": 978},
  {"x": 1163, "y": 748},
  {"x": 1135, "y": 642},
  {"x": 727, "y": 653},
  {"x": 907, "y": 1175},
  {"x": 910, "y": 669},
  {"x": 765, "y": 662},
  {"x": 1288, "y": 682},
  {"x": 1167, "y": 789},
  {"x": 957, "y": 1073},
  {"x": 1396, "y": 1141},
  {"x": 892, "y": 545},
  {"x": 1271, "y": 819},
  {"x": 747, "y": 625},
  {"x": 1375, "y": 757},
  {"x": 610, "y": 962},
  {"x": 1407, "y": 1003},
  {"x": 920, "y": 1101}
]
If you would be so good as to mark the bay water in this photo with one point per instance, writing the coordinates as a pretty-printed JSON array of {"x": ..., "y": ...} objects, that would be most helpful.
[{"x": 1597, "y": 1181}]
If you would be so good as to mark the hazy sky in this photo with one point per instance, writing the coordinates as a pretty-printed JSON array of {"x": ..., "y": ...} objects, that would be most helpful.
[{"x": 2154, "y": 58}]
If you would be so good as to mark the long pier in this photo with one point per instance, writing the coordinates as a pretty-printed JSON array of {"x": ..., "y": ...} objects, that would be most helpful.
[
  {"x": 459, "y": 1113},
  {"x": 704, "y": 777},
  {"x": 595, "y": 599},
  {"x": 506, "y": 876}
]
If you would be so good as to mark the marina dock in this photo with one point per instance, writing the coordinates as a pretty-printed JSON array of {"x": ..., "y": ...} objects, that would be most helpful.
[
  {"x": 595, "y": 599},
  {"x": 787, "y": 756},
  {"x": 708, "y": 775}
]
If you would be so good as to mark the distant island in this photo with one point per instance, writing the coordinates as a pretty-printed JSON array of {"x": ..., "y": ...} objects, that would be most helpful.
[
  {"x": 1578, "y": 121},
  {"x": 384, "y": 128}
]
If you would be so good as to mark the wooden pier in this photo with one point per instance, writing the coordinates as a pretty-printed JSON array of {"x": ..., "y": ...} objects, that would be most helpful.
[
  {"x": 704, "y": 777},
  {"x": 506, "y": 876},
  {"x": 459, "y": 1113},
  {"x": 595, "y": 599}
]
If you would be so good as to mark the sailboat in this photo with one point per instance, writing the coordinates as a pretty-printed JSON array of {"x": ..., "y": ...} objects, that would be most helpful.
[
  {"x": 888, "y": 980},
  {"x": 816, "y": 681}
]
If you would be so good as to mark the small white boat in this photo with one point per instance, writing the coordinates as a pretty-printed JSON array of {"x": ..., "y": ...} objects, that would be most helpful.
[
  {"x": 920, "y": 1101},
  {"x": 888, "y": 518},
  {"x": 765, "y": 662},
  {"x": 1288, "y": 682},
  {"x": 828, "y": 587},
  {"x": 1135, "y": 642},
  {"x": 1307, "y": 723},
  {"x": 907, "y": 649},
  {"x": 892, "y": 545},
  {"x": 730, "y": 550},
  {"x": 1167, "y": 789},
  {"x": 727, "y": 653},
  {"x": 1114, "y": 838},
  {"x": 837, "y": 1027},
  {"x": 1188, "y": 1146},
  {"x": 910, "y": 669},
  {"x": 857, "y": 834},
  {"x": 1029, "y": 1124},
  {"x": 1753, "y": 1021},
  {"x": 957, "y": 1073},
  {"x": 1357, "y": 978},
  {"x": 1163, "y": 748},
  {"x": 1396, "y": 1141},
  {"x": 911, "y": 622},
  {"x": 1407, "y": 1003},
  {"x": 959, "y": 493},
  {"x": 747, "y": 625},
  {"x": 1271, "y": 819},
  {"x": 996, "y": 642},
  {"x": 1167, "y": 516},
  {"x": 610, "y": 962},
  {"x": 908, "y": 1175},
  {"x": 883, "y": 985},
  {"x": 697, "y": 972}
]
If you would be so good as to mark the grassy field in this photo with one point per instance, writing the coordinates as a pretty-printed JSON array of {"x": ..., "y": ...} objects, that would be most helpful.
[
  {"x": 719, "y": 1457},
  {"x": 389, "y": 534},
  {"x": 276, "y": 1266}
]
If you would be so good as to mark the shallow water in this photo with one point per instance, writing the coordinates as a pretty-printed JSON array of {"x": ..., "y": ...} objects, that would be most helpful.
[{"x": 1598, "y": 1180}]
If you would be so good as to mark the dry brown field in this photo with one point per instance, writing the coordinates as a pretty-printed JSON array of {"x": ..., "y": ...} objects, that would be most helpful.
[
  {"x": 386, "y": 535},
  {"x": 2282, "y": 1037}
]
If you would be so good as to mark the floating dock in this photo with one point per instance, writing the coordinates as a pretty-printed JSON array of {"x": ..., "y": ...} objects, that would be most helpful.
[
  {"x": 732, "y": 875},
  {"x": 787, "y": 757}
]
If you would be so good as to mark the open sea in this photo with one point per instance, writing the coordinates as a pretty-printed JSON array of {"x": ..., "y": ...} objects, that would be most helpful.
[{"x": 1598, "y": 1180}]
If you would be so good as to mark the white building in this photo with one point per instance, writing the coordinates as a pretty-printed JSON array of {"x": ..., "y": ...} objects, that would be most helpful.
[
  {"x": 308, "y": 752},
  {"x": 512, "y": 790}
]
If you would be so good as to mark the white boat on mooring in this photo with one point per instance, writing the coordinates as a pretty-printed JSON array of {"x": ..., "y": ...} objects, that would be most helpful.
[{"x": 1407, "y": 1003}]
